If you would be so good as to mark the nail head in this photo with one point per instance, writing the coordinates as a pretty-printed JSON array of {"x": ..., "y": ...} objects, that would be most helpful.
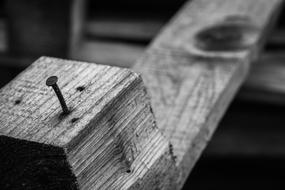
[{"x": 51, "y": 81}]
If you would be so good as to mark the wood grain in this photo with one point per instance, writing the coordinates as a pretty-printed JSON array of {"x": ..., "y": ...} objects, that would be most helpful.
[
  {"x": 264, "y": 83},
  {"x": 108, "y": 141},
  {"x": 190, "y": 82}
]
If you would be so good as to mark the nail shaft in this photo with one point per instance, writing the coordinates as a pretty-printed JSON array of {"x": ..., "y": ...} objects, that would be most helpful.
[{"x": 52, "y": 81}]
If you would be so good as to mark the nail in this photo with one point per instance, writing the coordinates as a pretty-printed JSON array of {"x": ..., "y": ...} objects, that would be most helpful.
[{"x": 52, "y": 81}]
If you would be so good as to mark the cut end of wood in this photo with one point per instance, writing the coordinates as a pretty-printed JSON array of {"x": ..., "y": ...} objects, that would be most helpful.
[{"x": 109, "y": 139}]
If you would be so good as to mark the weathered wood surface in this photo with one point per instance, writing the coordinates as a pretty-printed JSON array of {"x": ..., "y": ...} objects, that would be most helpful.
[
  {"x": 108, "y": 141},
  {"x": 191, "y": 72},
  {"x": 195, "y": 66},
  {"x": 265, "y": 82}
]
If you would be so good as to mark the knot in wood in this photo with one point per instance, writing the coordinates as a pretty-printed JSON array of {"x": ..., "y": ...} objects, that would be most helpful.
[{"x": 226, "y": 36}]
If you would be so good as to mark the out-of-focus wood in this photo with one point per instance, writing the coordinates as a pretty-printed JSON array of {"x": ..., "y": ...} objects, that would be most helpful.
[
  {"x": 265, "y": 81},
  {"x": 43, "y": 27},
  {"x": 278, "y": 37},
  {"x": 195, "y": 66},
  {"x": 109, "y": 53},
  {"x": 108, "y": 141},
  {"x": 128, "y": 28},
  {"x": 249, "y": 130}
]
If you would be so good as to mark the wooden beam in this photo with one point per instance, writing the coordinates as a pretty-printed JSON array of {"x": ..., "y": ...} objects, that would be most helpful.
[
  {"x": 109, "y": 140},
  {"x": 195, "y": 66},
  {"x": 265, "y": 81},
  {"x": 125, "y": 28},
  {"x": 249, "y": 130}
]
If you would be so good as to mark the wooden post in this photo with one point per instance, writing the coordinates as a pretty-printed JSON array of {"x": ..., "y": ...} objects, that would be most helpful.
[
  {"x": 44, "y": 27},
  {"x": 107, "y": 141}
]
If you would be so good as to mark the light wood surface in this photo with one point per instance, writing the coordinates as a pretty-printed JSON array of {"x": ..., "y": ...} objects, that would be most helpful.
[
  {"x": 108, "y": 141},
  {"x": 195, "y": 66}
]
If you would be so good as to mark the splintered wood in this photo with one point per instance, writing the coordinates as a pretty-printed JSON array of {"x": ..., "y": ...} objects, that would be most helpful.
[{"x": 108, "y": 141}]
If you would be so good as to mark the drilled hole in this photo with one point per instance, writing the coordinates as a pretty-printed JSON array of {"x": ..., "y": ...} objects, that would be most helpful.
[
  {"x": 17, "y": 102},
  {"x": 80, "y": 88},
  {"x": 128, "y": 171},
  {"x": 74, "y": 120}
]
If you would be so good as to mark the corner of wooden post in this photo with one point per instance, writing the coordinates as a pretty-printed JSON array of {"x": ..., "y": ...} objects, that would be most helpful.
[{"x": 109, "y": 140}]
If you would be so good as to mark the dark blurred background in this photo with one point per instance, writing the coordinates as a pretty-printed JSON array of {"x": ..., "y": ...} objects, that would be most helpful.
[{"x": 247, "y": 150}]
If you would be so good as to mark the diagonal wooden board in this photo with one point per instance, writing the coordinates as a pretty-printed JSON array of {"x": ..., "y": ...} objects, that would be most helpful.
[{"x": 195, "y": 66}]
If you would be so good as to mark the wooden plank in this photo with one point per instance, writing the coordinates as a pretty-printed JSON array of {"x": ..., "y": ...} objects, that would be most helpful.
[
  {"x": 108, "y": 140},
  {"x": 195, "y": 66},
  {"x": 265, "y": 81}
]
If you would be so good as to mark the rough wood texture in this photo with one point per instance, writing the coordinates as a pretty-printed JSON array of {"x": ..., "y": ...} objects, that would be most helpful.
[
  {"x": 192, "y": 70},
  {"x": 265, "y": 81},
  {"x": 108, "y": 141},
  {"x": 195, "y": 66}
]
